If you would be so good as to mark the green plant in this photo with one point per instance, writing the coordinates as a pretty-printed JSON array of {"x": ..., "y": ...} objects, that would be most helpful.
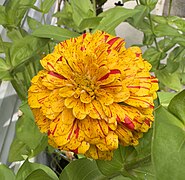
[{"x": 160, "y": 153}]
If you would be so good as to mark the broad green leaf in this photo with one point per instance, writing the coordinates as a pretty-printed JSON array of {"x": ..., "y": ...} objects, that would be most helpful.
[
  {"x": 150, "y": 3},
  {"x": 81, "y": 169},
  {"x": 27, "y": 47},
  {"x": 165, "y": 97},
  {"x": 4, "y": 46},
  {"x": 16, "y": 10},
  {"x": 115, "y": 166},
  {"x": 18, "y": 151},
  {"x": 28, "y": 137},
  {"x": 14, "y": 35},
  {"x": 168, "y": 146},
  {"x": 46, "y": 5},
  {"x": 165, "y": 30},
  {"x": 179, "y": 40},
  {"x": 6, "y": 173},
  {"x": 57, "y": 33},
  {"x": 90, "y": 23},
  {"x": 3, "y": 19},
  {"x": 81, "y": 10},
  {"x": 26, "y": 128},
  {"x": 39, "y": 174},
  {"x": 139, "y": 17},
  {"x": 177, "y": 21},
  {"x": 159, "y": 19},
  {"x": 166, "y": 44},
  {"x": 153, "y": 56},
  {"x": 170, "y": 80},
  {"x": 27, "y": 168},
  {"x": 113, "y": 17},
  {"x": 177, "y": 106},
  {"x": 148, "y": 39},
  {"x": 33, "y": 23},
  {"x": 4, "y": 70}
]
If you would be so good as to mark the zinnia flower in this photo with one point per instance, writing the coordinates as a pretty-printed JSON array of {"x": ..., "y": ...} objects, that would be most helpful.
[{"x": 93, "y": 95}]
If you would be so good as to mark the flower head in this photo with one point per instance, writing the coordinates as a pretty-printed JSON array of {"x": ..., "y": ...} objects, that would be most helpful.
[{"x": 93, "y": 94}]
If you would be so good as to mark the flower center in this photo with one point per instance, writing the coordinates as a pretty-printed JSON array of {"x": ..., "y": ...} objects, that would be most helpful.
[{"x": 84, "y": 83}]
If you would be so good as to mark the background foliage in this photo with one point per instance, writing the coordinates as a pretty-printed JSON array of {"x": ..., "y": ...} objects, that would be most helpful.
[{"x": 161, "y": 152}]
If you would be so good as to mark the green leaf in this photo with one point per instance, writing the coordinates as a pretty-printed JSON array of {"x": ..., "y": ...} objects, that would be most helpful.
[
  {"x": 170, "y": 80},
  {"x": 57, "y": 33},
  {"x": 27, "y": 47},
  {"x": 3, "y": 19},
  {"x": 177, "y": 21},
  {"x": 6, "y": 173},
  {"x": 90, "y": 23},
  {"x": 27, "y": 168},
  {"x": 38, "y": 174},
  {"x": 46, "y": 5},
  {"x": 33, "y": 23},
  {"x": 14, "y": 35},
  {"x": 165, "y": 30},
  {"x": 81, "y": 169},
  {"x": 4, "y": 70},
  {"x": 179, "y": 40},
  {"x": 115, "y": 166},
  {"x": 166, "y": 44},
  {"x": 113, "y": 17},
  {"x": 16, "y": 10},
  {"x": 28, "y": 141},
  {"x": 26, "y": 128},
  {"x": 18, "y": 151},
  {"x": 152, "y": 55},
  {"x": 159, "y": 19},
  {"x": 4, "y": 46},
  {"x": 150, "y": 3},
  {"x": 165, "y": 97},
  {"x": 177, "y": 106},
  {"x": 168, "y": 146}
]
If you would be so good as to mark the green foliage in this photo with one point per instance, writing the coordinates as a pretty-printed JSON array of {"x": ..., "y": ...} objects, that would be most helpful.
[
  {"x": 6, "y": 173},
  {"x": 28, "y": 141},
  {"x": 29, "y": 170}
]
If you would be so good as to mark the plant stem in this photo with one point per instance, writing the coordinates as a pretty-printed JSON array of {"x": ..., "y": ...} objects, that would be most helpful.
[
  {"x": 152, "y": 29},
  {"x": 170, "y": 7},
  {"x": 137, "y": 2}
]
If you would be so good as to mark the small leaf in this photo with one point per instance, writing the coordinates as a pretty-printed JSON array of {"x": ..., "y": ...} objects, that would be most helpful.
[
  {"x": 3, "y": 19},
  {"x": 152, "y": 55},
  {"x": 6, "y": 173},
  {"x": 168, "y": 146},
  {"x": 81, "y": 169},
  {"x": 113, "y": 17},
  {"x": 38, "y": 174},
  {"x": 4, "y": 70},
  {"x": 150, "y": 3},
  {"x": 27, "y": 47},
  {"x": 170, "y": 80},
  {"x": 166, "y": 44},
  {"x": 177, "y": 106},
  {"x": 57, "y": 33},
  {"x": 33, "y": 23},
  {"x": 165, "y": 97},
  {"x": 165, "y": 30},
  {"x": 27, "y": 168},
  {"x": 46, "y": 5}
]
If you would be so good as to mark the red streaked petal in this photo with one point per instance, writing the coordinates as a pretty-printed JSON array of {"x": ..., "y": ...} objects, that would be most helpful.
[
  {"x": 112, "y": 41},
  {"x": 128, "y": 123},
  {"x": 56, "y": 75},
  {"x": 115, "y": 71}
]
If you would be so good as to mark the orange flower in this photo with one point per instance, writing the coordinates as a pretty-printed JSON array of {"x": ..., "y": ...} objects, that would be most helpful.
[{"x": 93, "y": 94}]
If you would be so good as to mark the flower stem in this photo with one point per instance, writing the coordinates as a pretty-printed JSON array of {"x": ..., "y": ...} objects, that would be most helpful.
[{"x": 152, "y": 29}]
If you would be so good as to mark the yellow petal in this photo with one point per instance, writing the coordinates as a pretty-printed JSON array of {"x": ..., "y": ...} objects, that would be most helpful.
[
  {"x": 104, "y": 97},
  {"x": 79, "y": 110},
  {"x": 67, "y": 116},
  {"x": 85, "y": 97},
  {"x": 70, "y": 102},
  {"x": 66, "y": 91}
]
